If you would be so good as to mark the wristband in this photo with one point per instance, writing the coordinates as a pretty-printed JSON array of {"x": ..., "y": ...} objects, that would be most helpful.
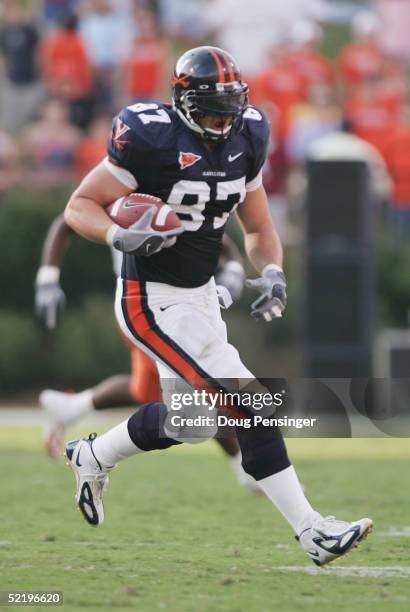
[
  {"x": 273, "y": 267},
  {"x": 109, "y": 236},
  {"x": 47, "y": 275}
]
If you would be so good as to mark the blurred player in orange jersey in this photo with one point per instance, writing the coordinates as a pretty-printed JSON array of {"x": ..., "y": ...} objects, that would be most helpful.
[{"x": 142, "y": 385}]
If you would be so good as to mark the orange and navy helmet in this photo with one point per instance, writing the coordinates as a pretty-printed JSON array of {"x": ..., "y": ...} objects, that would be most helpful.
[{"x": 207, "y": 82}]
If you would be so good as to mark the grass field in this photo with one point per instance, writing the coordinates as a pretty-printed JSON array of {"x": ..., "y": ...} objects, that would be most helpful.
[{"x": 181, "y": 535}]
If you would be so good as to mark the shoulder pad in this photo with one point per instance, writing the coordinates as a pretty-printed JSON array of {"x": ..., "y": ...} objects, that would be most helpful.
[
  {"x": 256, "y": 124},
  {"x": 146, "y": 125}
]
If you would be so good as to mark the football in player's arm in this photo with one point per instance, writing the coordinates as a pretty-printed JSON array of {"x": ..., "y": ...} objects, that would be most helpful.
[
  {"x": 50, "y": 299},
  {"x": 85, "y": 214}
]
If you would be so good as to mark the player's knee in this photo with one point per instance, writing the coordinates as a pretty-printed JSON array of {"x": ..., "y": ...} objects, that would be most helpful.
[
  {"x": 262, "y": 455},
  {"x": 146, "y": 428},
  {"x": 191, "y": 425}
]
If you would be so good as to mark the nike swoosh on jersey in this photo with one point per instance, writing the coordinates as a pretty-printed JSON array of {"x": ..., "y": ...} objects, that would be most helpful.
[
  {"x": 232, "y": 158},
  {"x": 77, "y": 459}
]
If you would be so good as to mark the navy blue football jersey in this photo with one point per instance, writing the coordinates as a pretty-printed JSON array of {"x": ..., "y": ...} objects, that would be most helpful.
[{"x": 164, "y": 158}]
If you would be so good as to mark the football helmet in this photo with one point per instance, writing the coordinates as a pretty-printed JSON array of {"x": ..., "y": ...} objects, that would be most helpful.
[{"x": 207, "y": 83}]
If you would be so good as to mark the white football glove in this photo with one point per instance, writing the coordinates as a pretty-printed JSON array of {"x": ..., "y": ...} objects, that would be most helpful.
[
  {"x": 49, "y": 296},
  {"x": 140, "y": 238},
  {"x": 232, "y": 276},
  {"x": 272, "y": 286}
]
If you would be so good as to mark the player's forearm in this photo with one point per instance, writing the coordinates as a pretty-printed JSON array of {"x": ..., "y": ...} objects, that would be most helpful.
[
  {"x": 264, "y": 248},
  {"x": 87, "y": 218},
  {"x": 56, "y": 243}
]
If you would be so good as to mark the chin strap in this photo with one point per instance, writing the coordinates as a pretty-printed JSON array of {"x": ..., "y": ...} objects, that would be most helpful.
[
  {"x": 189, "y": 122},
  {"x": 206, "y": 133}
]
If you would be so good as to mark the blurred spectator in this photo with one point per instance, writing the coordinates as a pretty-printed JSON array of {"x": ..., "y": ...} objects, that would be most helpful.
[
  {"x": 394, "y": 36},
  {"x": 93, "y": 147},
  {"x": 275, "y": 180},
  {"x": 279, "y": 87},
  {"x": 249, "y": 29},
  {"x": 53, "y": 11},
  {"x": 373, "y": 117},
  {"x": 21, "y": 90},
  {"x": 184, "y": 21},
  {"x": 363, "y": 58},
  {"x": 397, "y": 155},
  {"x": 393, "y": 84},
  {"x": 66, "y": 68},
  {"x": 313, "y": 67},
  {"x": 147, "y": 68},
  {"x": 10, "y": 166},
  {"x": 343, "y": 145},
  {"x": 108, "y": 39},
  {"x": 49, "y": 145},
  {"x": 125, "y": 9},
  {"x": 318, "y": 116}
]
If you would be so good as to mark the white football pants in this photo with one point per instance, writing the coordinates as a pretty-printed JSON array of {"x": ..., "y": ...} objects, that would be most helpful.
[{"x": 182, "y": 330}]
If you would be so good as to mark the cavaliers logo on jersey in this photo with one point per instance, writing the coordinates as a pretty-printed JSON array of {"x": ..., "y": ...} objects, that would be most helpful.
[
  {"x": 119, "y": 130},
  {"x": 188, "y": 159}
]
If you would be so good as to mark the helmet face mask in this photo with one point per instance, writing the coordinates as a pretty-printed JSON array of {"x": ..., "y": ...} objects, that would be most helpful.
[{"x": 207, "y": 83}]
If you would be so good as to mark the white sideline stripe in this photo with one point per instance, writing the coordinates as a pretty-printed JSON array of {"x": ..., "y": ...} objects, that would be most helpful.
[
  {"x": 163, "y": 214},
  {"x": 397, "y": 532},
  {"x": 354, "y": 571}
]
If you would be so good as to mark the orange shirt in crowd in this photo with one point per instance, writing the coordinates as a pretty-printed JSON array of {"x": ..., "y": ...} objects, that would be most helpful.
[
  {"x": 281, "y": 85},
  {"x": 65, "y": 64},
  {"x": 393, "y": 86},
  {"x": 397, "y": 156},
  {"x": 373, "y": 120},
  {"x": 358, "y": 62},
  {"x": 312, "y": 66},
  {"x": 89, "y": 153},
  {"x": 145, "y": 69}
]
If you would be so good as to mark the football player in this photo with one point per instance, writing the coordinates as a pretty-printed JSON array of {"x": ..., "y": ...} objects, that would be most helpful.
[
  {"x": 203, "y": 155},
  {"x": 62, "y": 410}
]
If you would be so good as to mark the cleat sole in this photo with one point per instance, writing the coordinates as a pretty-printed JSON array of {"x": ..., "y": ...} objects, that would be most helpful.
[
  {"x": 356, "y": 544},
  {"x": 78, "y": 502}
]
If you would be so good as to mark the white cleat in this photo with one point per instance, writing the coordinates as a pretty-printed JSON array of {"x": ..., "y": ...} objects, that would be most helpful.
[
  {"x": 91, "y": 479},
  {"x": 328, "y": 539},
  {"x": 52, "y": 403}
]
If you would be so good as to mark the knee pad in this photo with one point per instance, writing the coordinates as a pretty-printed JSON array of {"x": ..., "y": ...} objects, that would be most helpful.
[
  {"x": 146, "y": 427},
  {"x": 263, "y": 451}
]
